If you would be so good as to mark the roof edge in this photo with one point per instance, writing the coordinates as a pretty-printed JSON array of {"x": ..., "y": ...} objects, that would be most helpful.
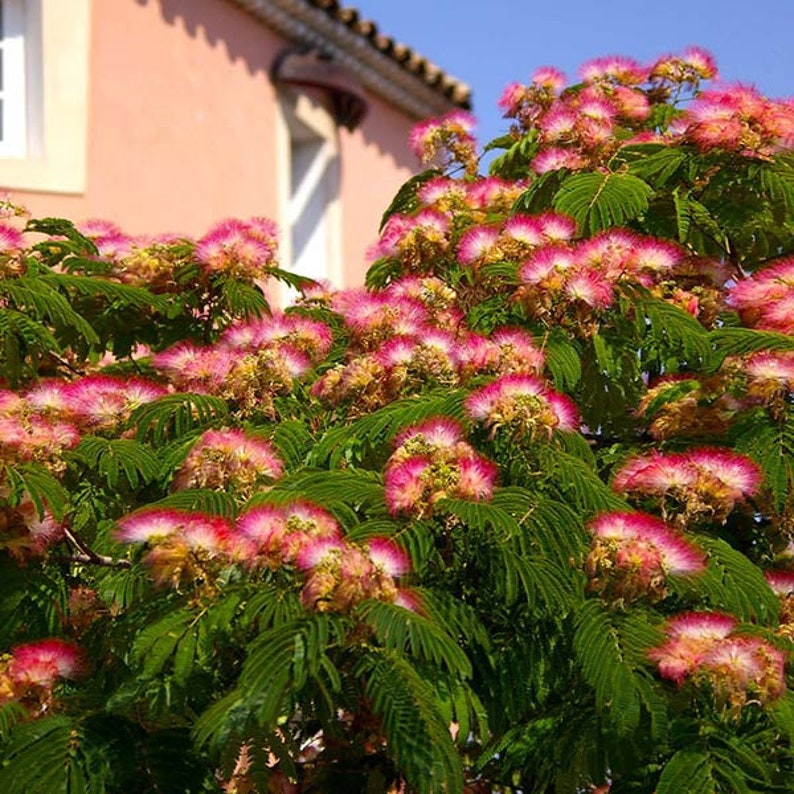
[{"x": 382, "y": 73}]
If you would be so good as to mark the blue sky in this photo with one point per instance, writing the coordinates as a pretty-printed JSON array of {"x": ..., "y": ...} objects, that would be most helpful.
[{"x": 489, "y": 43}]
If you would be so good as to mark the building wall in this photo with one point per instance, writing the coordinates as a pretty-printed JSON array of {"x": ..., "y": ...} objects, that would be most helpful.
[
  {"x": 376, "y": 160},
  {"x": 183, "y": 128}
]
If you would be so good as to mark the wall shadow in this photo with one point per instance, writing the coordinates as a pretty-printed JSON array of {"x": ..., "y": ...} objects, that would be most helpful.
[{"x": 221, "y": 23}]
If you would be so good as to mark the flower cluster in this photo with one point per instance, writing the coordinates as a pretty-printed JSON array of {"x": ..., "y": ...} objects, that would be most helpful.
[
  {"x": 24, "y": 531},
  {"x": 704, "y": 482},
  {"x": 28, "y": 437},
  {"x": 449, "y": 137},
  {"x": 338, "y": 574},
  {"x": 243, "y": 249},
  {"x": 632, "y": 554},
  {"x": 419, "y": 241},
  {"x": 697, "y": 405},
  {"x": 685, "y": 405},
  {"x": 739, "y": 119},
  {"x": 703, "y": 648},
  {"x": 12, "y": 245},
  {"x": 414, "y": 240},
  {"x": 251, "y": 363},
  {"x": 40, "y": 424},
  {"x": 769, "y": 375},
  {"x": 514, "y": 239},
  {"x": 150, "y": 262},
  {"x": 184, "y": 548},
  {"x": 341, "y": 575},
  {"x": 522, "y": 405},
  {"x": 694, "y": 65},
  {"x": 431, "y": 461},
  {"x": 229, "y": 459},
  {"x": 782, "y": 583},
  {"x": 408, "y": 337},
  {"x": 30, "y": 673},
  {"x": 562, "y": 280},
  {"x": 765, "y": 300},
  {"x": 190, "y": 548},
  {"x": 576, "y": 127},
  {"x": 94, "y": 403},
  {"x": 477, "y": 198},
  {"x": 570, "y": 282}
]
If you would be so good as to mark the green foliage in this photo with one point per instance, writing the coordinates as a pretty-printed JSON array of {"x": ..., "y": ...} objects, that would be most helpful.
[
  {"x": 415, "y": 728},
  {"x": 464, "y": 530},
  {"x": 111, "y": 458},
  {"x": 406, "y": 201},
  {"x": 176, "y": 415},
  {"x": 600, "y": 201}
]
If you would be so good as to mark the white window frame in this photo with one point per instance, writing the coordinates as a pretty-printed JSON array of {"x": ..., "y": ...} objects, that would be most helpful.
[
  {"x": 53, "y": 152},
  {"x": 309, "y": 139}
]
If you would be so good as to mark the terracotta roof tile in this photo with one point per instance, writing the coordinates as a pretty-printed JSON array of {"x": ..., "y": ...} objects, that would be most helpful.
[{"x": 429, "y": 73}]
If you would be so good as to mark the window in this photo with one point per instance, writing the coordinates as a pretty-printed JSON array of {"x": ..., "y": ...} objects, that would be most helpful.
[
  {"x": 44, "y": 63},
  {"x": 311, "y": 215},
  {"x": 14, "y": 83}
]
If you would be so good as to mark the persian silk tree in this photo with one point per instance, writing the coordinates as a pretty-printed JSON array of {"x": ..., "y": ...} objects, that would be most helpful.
[{"x": 516, "y": 516}]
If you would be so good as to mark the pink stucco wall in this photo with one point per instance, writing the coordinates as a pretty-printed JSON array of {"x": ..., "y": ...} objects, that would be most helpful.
[
  {"x": 376, "y": 160},
  {"x": 182, "y": 127}
]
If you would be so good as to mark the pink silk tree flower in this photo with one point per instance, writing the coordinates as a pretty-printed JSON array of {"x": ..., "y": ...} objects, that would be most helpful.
[
  {"x": 523, "y": 403},
  {"x": 42, "y": 663}
]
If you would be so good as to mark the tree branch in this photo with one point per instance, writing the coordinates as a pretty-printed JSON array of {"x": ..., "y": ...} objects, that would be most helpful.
[{"x": 88, "y": 556}]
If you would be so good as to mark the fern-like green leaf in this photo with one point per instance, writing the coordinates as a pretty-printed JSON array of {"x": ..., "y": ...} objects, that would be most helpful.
[
  {"x": 61, "y": 227},
  {"x": 49, "y": 756},
  {"x": 687, "y": 771},
  {"x": 346, "y": 486},
  {"x": 777, "y": 181},
  {"x": 112, "y": 457},
  {"x": 47, "y": 305},
  {"x": 176, "y": 415},
  {"x": 281, "y": 659},
  {"x": 740, "y": 341},
  {"x": 244, "y": 300},
  {"x": 598, "y": 201},
  {"x": 378, "y": 428},
  {"x": 655, "y": 163},
  {"x": 509, "y": 555},
  {"x": 415, "y": 727},
  {"x": 563, "y": 360},
  {"x": 33, "y": 480},
  {"x": 412, "y": 634},
  {"x": 122, "y": 588},
  {"x": 405, "y": 201},
  {"x": 202, "y": 500},
  {"x": 120, "y": 294},
  {"x": 782, "y": 713},
  {"x": 158, "y": 643},
  {"x": 214, "y": 726},
  {"x": 30, "y": 331},
  {"x": 22, "y": 338},
  {"x": 294, "y": 441},
  {"x": 579, "y": 485},
  {"x": 294, "y": 280},
  {"x": 541, "y": 191},
  {"x": 771, "y": 445},
  {"x": 732, "y": 582},
  {"x": 673, "y": 328},
  {"x": 549, "y": 525},
  {"x": 600, "y": 650}
]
